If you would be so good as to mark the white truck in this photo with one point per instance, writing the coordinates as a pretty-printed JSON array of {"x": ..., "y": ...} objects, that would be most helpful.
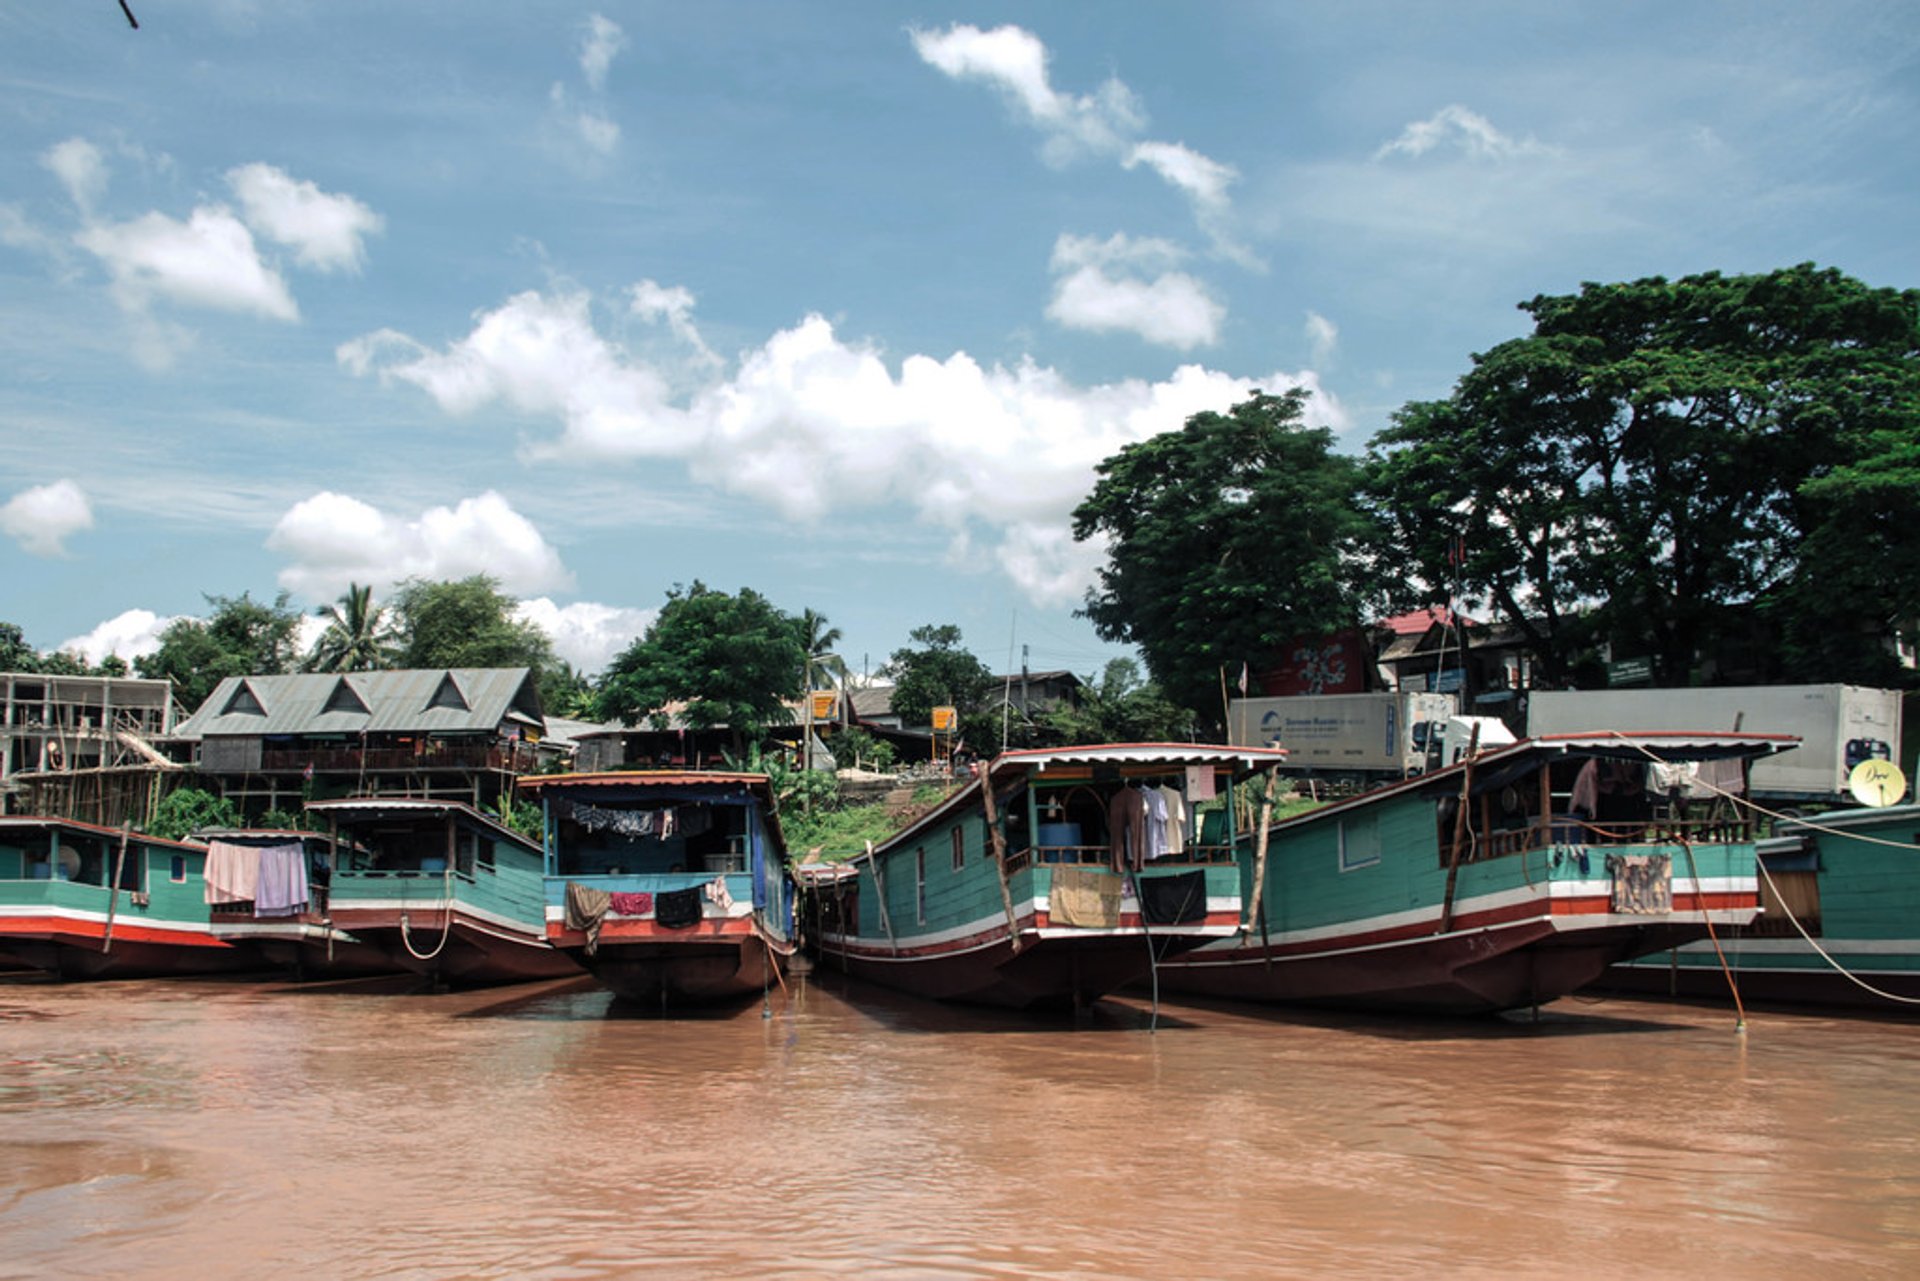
[
  {"x": 1369, "y": 737},
  {"x": 1838, "y": 726}
]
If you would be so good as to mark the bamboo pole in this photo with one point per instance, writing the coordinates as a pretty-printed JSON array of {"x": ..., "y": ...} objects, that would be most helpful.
[
  {"x": 1260, "y": 849},
  {"x": 999, "y": 853},
  {"x": 1459, "y": 830},
  {"x": 113, "y": 894}
]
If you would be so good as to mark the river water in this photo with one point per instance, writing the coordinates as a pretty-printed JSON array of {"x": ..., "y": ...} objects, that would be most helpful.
[{"x": 220, "y": 1129}]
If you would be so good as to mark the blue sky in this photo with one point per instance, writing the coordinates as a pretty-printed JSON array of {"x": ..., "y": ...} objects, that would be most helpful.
[{"x": 842, "y": 302}]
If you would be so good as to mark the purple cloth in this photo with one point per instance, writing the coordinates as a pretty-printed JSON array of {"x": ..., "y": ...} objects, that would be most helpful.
[{"x": 282, "y": 888}]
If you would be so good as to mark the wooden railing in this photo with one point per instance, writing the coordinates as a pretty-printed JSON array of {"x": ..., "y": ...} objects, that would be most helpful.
[
  {"x": 1102, "y": 856},
  {"x": 512, "y": 758},
  {"x": 1571, "y": 831}
]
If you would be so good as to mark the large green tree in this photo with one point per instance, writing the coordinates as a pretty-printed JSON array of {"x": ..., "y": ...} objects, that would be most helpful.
[
  {"x": 468, "y": 622},
  {"x": 1120, "y": 707},
  {"x": 239, "y": 637},
  {"x": 935, "y": 671},
  {"x": 1225, "y": 539},
  {"x": 1657, "y": 452},
  {"x": 730, "y": 660},
  {"x": 358, "y": 636}
]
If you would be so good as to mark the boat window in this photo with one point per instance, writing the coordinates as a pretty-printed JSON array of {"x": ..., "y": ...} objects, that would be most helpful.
[
  {"x": 959, "y": 847},
  {"x": 1359, "y": 841},
  {"x": 607, "y": 838},
  {"x": 177, "y": 869}
]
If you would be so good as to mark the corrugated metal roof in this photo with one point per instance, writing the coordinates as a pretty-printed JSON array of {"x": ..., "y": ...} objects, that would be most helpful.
[{"x": 438, "y": 700}]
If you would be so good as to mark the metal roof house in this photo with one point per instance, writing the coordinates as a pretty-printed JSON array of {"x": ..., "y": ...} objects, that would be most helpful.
[{"x": 463, "y": 734}]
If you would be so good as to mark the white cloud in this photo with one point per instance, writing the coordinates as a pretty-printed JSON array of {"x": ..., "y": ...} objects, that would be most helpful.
[
  {"x": 586, "y": 634},
  {"x": 599, "y": 42},
  {"x": 1458, "y": 128},
  {"x": 132, "y": 634},
  {"x": 810, "y": 425},
  {"x": 1015, "y": 62},
  {"x": 1205, "y": 180},
  {"x": 1324, "y": 335},
  {"x": 326, "y": 231},
  {"x": 653, "y": 301},
  {"x": 601, "y": 135},
  {"x": 334, "y": 540},
  {"x": 41, "y": 519},
  {"x": 1172, "y": 308},
  {"x": 208, "y": 261},
  {"x": 81, "y": 169},
  {"x": 1106, "y": 123}
]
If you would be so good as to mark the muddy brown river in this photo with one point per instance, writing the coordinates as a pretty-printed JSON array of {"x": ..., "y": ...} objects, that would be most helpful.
[{"x": 209, "y": 1129}]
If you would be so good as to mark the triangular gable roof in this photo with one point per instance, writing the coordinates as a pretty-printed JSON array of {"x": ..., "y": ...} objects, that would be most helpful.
[{"x": 439, "y": 700}]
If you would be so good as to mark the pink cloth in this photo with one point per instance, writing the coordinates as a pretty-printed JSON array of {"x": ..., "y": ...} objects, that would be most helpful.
[
  {"x": 233, "y": 872},
  {"x": 630, "y": 904}
]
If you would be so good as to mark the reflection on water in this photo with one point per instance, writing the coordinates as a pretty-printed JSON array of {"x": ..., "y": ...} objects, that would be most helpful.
[{"x": 217, "y": 1129}]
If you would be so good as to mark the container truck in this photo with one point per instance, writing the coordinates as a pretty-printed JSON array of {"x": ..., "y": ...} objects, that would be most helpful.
[
  {"x": 1838, "y": 726},
  {"x": 1369, "y": 737}
]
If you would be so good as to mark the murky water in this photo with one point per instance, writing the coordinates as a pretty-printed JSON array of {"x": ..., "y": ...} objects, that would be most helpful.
[{"x": 229, "y": 1129}]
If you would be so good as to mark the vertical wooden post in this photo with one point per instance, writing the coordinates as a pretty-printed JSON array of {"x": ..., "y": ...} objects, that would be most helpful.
[
  {"x": 1260, "y": 849},
  {"x": 999, "y": 852},
  {"x": 1459, "y": 830},
  {"x": 113, "y": 893}
]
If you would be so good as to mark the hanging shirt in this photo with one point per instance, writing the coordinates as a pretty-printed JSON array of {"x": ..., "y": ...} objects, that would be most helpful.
[
  {"x": 1176, "y": 821},
  {"x": 1127, "y": 828},
  {"x": 1156, "y": 822}
]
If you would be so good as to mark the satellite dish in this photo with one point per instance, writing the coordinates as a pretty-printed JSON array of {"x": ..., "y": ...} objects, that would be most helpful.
[{"x": 1876, "y": 783}]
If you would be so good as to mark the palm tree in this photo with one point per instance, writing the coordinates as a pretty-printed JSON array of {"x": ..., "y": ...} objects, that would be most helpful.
[
  {"x": 358, "y": 637},
  {"x": 824, "y": 666}
]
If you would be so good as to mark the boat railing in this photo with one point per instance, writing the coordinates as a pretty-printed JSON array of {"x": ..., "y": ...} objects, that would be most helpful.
[
  {"x": 1573, "y": 831},
  {"x": 1102, "y": 856},
  {"x": 235, "y": 909}
]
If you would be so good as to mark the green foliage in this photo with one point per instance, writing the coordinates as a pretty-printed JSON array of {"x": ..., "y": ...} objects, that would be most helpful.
[
  {"x": 936, "y": 672},
  {"x": 1225, "y": 539},
  {"x": 241, "y": 637},
  {"x": 188, "y": 810},
  {"x": 565, "y": 691},
  {"x": 1119, "y": 708},
  {"x": 18, "y": 656},
  {"x": 842, "y": 832},
  {"x": 359, "y": 635},
  {"x": 290, "y": 821},
  {"x": 817, "y": 639},
  {"x": 732, "y": 660},
  {"x": 1657, "y": 451},
  {"x": 520, "y": 816},
  {"x": 468, "y": 623},
  {"x": 855, "y": 748}
]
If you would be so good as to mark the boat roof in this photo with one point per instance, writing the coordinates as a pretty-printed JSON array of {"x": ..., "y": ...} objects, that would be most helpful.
[
  {"x": 1137, "y": 758},
  {"x": 649, "y": 778},
  {"x": 759, "y": 786},
  {"x": 376, "y": 807},
  {"x": 28, "y": 822},
  {"x": 1499, "y": 765},
  {"x": 1792, "y": 833}
]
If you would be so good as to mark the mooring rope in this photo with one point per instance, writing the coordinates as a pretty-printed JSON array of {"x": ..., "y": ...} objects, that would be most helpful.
[{"x": 446, "y": 930}]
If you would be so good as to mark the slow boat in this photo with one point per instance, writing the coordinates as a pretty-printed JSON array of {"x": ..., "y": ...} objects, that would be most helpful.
[
  {"x": 1506, "y": 880},
  {"x": 1053, "y": 878},
  {"x": 441, "y": 889},
  {"x": 270, "y": 889},
  {"x": 670, "y": 887},
  {"x": 84, "y": 901},
  {"x": 1839, "y": 922}
]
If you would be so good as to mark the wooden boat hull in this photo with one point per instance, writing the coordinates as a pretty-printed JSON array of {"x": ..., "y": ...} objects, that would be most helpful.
[
  {"x": 708, "y": 971},
  {"x": 1506, "y": 949},
  {"x": 457, "y": 947},
  {"x": 308, "y": 945},
  {"x": 75, "y": 946},
  {"x": 1850, "y": 878},
  {"x": 1045, "y": 973}
]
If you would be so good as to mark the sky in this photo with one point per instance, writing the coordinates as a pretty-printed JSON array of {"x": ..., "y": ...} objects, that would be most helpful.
[{"x": 842, "y": 303}]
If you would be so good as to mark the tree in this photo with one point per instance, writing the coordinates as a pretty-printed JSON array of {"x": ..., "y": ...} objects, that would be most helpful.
[
  {"x": 732, "y": 660},
  {"x": 186, "y": 810},
  {"x": 358, "y": 637},
  {"x": 1120, "y": 708},
  {"x": 941, "y": 674},
  {"x": 817, "y": 640},
  {"x": 465, "y": 623},
  {"x": 15, "y": 654},
  {"x": 1657, "y": 452},
  {"x": 1224, "y": 539},
  {"x": 240, "y": 637}
]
